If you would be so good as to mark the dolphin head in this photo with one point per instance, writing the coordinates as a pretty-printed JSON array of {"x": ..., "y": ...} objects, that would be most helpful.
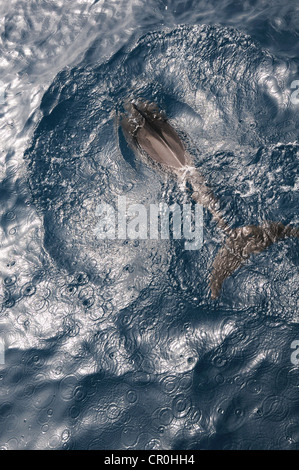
[{"x": 147, "y": 131}]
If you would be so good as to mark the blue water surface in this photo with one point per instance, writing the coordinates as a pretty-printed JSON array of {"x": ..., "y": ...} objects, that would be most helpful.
[{"x": 117, "y": 344}]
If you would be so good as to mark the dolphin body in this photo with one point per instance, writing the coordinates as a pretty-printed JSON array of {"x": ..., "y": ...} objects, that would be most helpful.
[{"x": 150, "y": 135}]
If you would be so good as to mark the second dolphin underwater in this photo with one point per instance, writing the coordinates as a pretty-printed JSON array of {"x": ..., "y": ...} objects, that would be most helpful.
[{"x": 149, "y": 133}]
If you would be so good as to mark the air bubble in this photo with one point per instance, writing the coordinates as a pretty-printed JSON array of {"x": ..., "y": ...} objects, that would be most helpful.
[{"x": 28, "y": 290}]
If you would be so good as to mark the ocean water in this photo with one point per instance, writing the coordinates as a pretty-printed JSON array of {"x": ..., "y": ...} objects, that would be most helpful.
[{"x": 117, "y": 344}]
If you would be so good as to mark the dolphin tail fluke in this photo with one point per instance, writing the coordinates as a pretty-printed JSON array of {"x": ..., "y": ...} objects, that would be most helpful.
[{"x": 240, "y": 244}]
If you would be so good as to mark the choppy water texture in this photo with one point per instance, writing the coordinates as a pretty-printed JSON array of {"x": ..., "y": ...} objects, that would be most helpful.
[{"x": 117, "y": 345}]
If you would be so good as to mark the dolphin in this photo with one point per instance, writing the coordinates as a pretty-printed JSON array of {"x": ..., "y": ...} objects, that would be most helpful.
[{"x": 152, "y": 137}]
